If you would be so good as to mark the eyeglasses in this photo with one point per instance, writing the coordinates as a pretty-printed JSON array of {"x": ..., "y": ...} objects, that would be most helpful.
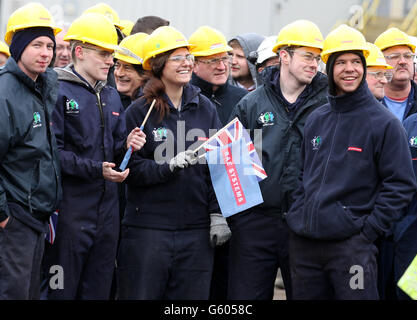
[
  {"x": 102, "y": 53},
  {"x": 127, "y": 67},
  {"x": 408, "y": 56},
  {"x": 216, "y": 61},
  {"x": 306, "y": 56},
  {"x": 379, "y": 75},
  {"x": 181, "y": 59}
]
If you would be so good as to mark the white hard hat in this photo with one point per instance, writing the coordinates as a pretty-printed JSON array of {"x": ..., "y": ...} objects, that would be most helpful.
[{"x": 265, "y": 49}]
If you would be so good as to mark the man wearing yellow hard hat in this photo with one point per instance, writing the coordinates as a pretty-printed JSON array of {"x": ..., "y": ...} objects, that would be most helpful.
[
  {"x": 278, "y": 108},
  {"x": 30, "y": 180},
  {"x": 357, "y": 177},
  {"x": 211, "y": 74},
  {"x": 63, "y": 50},
  {"x": 4, "y": 53},
  {"x": 90, "y": 130},
  {"x": 377, "y": 71},
  {"x": 401, "y": 93},
  {"x": 212, "y": 70}
]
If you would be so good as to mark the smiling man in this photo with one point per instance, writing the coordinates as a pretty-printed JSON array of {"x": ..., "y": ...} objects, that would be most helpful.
[
  {"x": 30, "y": 181},
  {"x": 211, "y": 73},
  {"x": 212, "y": 70},
  {"x": 401, "y": 93},
  {"x": 378, "y": 71},
  {"x": 278, "y": 109},
  {"x": 352, "y": 187},
  {"x": 90, "y": 129}
]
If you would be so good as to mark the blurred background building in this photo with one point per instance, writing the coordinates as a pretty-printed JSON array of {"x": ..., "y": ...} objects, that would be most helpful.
[{"x": 234, "y": 17}]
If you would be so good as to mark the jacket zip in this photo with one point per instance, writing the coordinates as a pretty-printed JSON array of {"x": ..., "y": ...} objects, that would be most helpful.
[
  {"x": 213, "y": 98},
  {"x": 309, "y": 222}
]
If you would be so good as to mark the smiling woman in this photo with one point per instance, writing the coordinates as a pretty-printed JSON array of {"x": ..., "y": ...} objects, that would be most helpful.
[{"x": 170, "y": 199}]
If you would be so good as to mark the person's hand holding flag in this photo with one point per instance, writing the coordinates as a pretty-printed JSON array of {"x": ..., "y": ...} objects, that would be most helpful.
[
  {"x": 136, "y": 139},
  {"x": 183, "y": 160}
]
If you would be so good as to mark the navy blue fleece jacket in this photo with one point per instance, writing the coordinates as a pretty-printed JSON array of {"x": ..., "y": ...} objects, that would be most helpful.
[{"x": 357, "y": 171}]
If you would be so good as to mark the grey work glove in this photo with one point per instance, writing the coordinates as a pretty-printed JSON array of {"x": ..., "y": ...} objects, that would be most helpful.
[
  {"x": 183, "y": 160},
  {"x": 219, "y": 230}
]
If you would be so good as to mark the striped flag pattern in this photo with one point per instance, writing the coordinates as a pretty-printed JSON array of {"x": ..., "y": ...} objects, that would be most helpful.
[
  {"x": 53, "y": 223},
  {"x": 233, "y": 132}
]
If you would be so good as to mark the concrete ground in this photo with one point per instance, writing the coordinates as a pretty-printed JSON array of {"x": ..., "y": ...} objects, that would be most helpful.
[{"x": 279, "y": 292}]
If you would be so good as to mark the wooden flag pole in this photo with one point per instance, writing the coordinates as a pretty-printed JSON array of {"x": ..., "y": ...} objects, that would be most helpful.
[
  {"x": 129, "y": 152},
  {"x": 147, "y": 115}
]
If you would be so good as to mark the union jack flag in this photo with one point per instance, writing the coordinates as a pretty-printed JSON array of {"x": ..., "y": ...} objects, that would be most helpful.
[
  {"x": 233, "y": 132},
  {"x": 53, "y": 223}
]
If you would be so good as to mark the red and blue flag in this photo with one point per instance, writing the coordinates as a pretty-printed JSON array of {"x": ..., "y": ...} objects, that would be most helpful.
[
  {"x": 235, "y": 131},
  {"x": 232, "y": 175},
  {"x": 52, "y": 226}
]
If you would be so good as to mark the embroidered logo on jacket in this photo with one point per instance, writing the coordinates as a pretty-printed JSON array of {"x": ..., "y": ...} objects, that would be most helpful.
[
  {"x": 267, "y": 119},
  {"x": 413, "y": 141},
  {"x": 159, "y": 134},
  {"x": 37, "y": 122},
  {"x": 71, "y": 107},
  {"x": 316, "y": 142}
]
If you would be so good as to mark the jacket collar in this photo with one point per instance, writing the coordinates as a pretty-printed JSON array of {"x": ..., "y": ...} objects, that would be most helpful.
[
  {"x": 69, "y": 74},
  {"x": 207, "y": 87},
  {"x": 189, "y": 97},
  {"x": 47, "y": 79},
  {"x": 351, "y": 101}
]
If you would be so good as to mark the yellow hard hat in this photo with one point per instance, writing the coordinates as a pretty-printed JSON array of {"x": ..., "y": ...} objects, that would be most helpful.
[
  {"x": 206, "y": 41},
  {"x": 393, "y": 37},
  {"x": 376, "y": 57},
  {"x": 4, "y": 49},
  {"x": 127, "y": 26},
  {"x": 131, "y": 48},
  {"x": 302, "y": 33},
  {"x": 106, "y": 10},
  {"x": 93, "y": 28},
  {"x": 344, "y": 38},
  {"x": 31, "y": 15},
  {"x": 161, "y": 40}
]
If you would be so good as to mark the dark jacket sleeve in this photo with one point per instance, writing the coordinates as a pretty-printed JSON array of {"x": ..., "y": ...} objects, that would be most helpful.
[
  {"x": 120, "y": 134},
  {"x": 298, "y": 195},
  {"x": 398, "y": 183},
  {"x": 6, "y": 137},
  {"x": 71, "y": 163}
]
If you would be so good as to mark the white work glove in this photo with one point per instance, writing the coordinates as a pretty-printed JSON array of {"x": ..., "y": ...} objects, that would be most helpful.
[
  {"x": 183, "y": 160},
  {"x": 219, "y": 230}
]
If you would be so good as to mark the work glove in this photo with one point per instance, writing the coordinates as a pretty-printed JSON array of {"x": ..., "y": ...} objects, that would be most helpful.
[
  {"x": 219, "y": 230},
  {"x": 183, "y": 160}
]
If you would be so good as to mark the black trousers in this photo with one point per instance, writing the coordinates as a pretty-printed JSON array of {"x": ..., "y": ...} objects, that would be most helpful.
[
  {"x": 21, "y": 251},
  {"x": 164, "y": 265},
  {"x": 339, "y": 269},
  {"x": 258, "y": 247}
]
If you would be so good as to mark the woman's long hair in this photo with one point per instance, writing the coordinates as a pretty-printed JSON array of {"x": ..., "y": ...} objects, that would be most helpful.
[{"x": 155, "y": 88}]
